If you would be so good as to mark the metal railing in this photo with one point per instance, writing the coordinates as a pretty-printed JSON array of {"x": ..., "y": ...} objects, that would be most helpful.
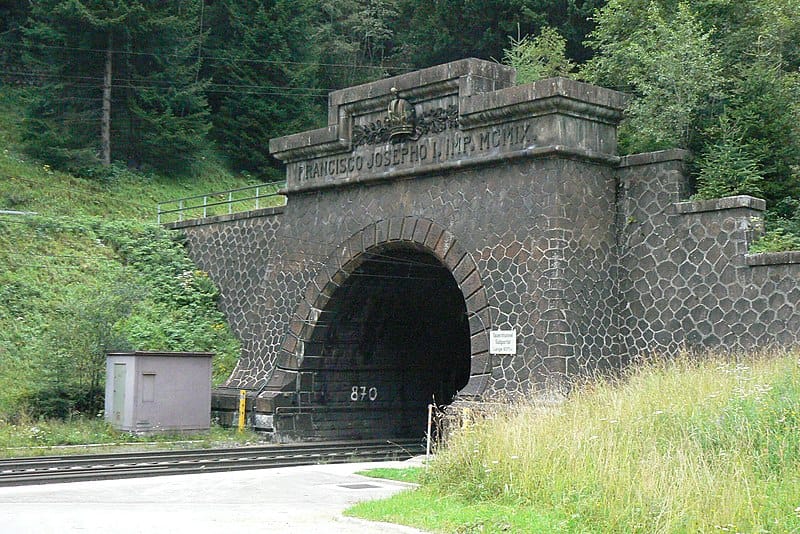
[{"x": 222, "y": 202}]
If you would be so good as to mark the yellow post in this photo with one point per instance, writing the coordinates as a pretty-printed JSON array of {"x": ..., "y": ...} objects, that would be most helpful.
[{"x": 242, "y": 407}]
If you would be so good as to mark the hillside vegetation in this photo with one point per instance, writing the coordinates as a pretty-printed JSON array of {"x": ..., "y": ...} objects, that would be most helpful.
[
  {"x": 686, "y": 446},
  {"x": 156, "y": 85},
  {"x": 92, "y": 272}
]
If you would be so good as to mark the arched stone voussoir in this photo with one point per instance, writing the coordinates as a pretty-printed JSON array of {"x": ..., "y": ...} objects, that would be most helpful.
[
  {"x": 418, "y": 233},
  {"x": 476, "y": 386},
  {"x": 480, "y": 364}
]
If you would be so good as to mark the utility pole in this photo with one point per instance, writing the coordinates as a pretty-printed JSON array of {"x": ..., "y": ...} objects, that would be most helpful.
[{"x": 105, "y": 126}]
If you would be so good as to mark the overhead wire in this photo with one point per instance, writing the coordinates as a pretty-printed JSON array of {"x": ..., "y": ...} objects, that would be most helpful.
[
  {"x": 147, "y": 83},
  {"x": 217, "y": 58},
  {"x": 215, "y": 91}
]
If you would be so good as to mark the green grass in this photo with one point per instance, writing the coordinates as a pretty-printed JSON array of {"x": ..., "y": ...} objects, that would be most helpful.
[
  {"x": 29, "y": 185},
  {"x": 48, "y": 437},
  {"x": 429, "y": 510},
  {"x": 686, "y": 446},
  {"x": 408, "y": 474}
]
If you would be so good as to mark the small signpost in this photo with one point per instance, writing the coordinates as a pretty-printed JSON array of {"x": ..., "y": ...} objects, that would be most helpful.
[{"x": 503, "y": 341}]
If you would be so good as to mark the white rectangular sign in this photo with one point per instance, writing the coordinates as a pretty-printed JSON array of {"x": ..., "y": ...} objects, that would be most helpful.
[{"x": 503, "y": 342}]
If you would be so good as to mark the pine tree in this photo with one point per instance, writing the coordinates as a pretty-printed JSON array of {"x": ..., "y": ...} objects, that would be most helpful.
[
  {"x": 118, "y": 82},
  {"x": 726, "y": 167},
  {"x": 354, "y": 40},
  {"x": 12, "y": 15},
  {"x": 66, "y": 46},
  {"x": 262, "y": 85},
  {"x": 167, "y": 112},
  {"x": 542, "y": 56}
]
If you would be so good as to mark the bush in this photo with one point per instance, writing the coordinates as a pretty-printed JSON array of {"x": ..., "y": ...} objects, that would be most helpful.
[
  {"x": 776, "y": 240},
  {"x": 89, "y": 286},
  {"x": 63, "y": 401}
]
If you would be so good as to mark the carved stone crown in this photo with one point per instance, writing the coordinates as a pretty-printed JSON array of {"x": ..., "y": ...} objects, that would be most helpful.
[{"x": 400, "y": 118}]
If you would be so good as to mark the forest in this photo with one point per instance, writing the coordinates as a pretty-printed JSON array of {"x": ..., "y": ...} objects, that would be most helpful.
[{"x": 140, "y": 84}]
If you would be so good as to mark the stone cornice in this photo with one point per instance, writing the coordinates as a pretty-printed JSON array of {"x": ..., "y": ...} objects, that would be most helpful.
[
  {"x": 554, "y": 95},
  {"x": 217, "y": 219},
  {"x": 481, "y": 89},
  {"x": 717, "y": 204},
  {"x": 791, "y": 257},
  {"x": 652, "y": 158}
]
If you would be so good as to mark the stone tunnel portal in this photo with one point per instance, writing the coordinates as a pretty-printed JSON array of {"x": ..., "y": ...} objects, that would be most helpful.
[{"x": 392, "y": 339}]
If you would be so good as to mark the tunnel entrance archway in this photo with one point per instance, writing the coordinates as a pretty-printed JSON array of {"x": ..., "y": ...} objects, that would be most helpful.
[
  {"x": 395, "y": 318},
  {"x": 393, "y": 338}
]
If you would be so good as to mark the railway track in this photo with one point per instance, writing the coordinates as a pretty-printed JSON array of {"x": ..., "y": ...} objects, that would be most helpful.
[{"x": 51, "y": 469}]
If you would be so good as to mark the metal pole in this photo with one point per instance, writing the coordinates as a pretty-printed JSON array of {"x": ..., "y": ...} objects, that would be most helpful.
[
  {"x": 180, "y": 208},
  {"x": 256, "y": 197},
  {"x": 230, "y": 202},
  {"x": 205, "y": 203}
]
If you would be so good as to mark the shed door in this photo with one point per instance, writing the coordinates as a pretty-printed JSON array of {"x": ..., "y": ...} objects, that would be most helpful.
[{"x": 119, "y": 393}]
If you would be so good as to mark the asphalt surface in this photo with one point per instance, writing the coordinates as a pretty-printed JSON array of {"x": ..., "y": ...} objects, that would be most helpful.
[{"x": 307, "y": 499}]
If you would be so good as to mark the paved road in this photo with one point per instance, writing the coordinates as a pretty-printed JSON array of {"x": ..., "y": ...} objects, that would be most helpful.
[{"x": 306, "y": 499}]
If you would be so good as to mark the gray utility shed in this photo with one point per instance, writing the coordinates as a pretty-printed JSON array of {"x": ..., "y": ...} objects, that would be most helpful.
[{"x": 158, "y": 391}]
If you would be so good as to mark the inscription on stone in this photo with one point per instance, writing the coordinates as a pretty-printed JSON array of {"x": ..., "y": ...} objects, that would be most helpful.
[
  {"x": 360, "y": 393},
  {"x": 450, "y": 145}
]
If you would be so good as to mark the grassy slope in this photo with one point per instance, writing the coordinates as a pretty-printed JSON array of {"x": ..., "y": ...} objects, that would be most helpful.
[
  {"x": 33, "y": 186},
  {"x": 53, "y": 263},
  {"x": 713, "y": 447}
]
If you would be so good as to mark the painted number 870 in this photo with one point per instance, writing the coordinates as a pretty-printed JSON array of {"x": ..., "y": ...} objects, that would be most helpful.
[{"x": 360, "y": 393}]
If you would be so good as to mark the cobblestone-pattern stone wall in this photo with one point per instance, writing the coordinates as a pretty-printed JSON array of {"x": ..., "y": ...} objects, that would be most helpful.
[
  {"x": 239, "y": 252},
  {"x": 686, "y": 277},
  {"x": 549, "y": 277},
  {"x": 592, "y": 258},
  {"x": 540, "y": 271}
]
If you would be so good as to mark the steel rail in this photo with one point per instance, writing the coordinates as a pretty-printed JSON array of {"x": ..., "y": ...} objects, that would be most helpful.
[{"x": 51, "y": 469}]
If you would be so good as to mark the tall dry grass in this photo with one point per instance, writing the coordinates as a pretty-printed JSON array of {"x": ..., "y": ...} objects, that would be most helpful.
[{"x": 690, "y": 445}]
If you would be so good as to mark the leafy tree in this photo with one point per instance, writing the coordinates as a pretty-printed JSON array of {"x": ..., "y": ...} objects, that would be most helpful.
[
  {"x": 723, "y": 76},
  {"x": 73, "y": 374},
  {"x": 668, "y": 63}
]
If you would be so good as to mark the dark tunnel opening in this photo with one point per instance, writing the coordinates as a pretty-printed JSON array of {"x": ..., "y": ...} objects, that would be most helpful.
[{"x": 392, "y": 339}]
